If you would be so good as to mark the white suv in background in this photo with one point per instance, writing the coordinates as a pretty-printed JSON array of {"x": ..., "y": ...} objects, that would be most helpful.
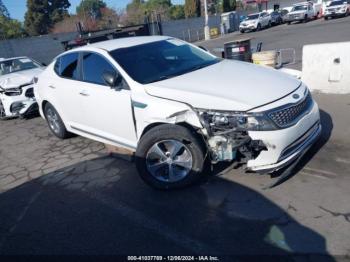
[
  {"x": 337, "y": 8},
  {"x": 255, "y": 22},
  {"x": 179, "y": 107}
]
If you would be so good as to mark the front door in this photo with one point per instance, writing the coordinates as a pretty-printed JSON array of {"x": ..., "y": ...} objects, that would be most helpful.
[{"x": 107, "y": 112}]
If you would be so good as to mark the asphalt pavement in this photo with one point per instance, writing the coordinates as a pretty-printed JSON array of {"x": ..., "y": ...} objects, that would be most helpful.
[{"x": 293, "y": 36}]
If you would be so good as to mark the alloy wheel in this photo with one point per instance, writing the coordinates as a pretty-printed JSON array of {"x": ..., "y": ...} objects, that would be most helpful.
[
  {"x": 169, "y": 161},
  {"x": 52, "y": 119}
]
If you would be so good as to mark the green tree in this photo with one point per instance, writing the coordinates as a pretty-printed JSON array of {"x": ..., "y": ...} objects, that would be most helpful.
[
  {"x": 229, "y": 5},
  {"x": 177, "y": 12},
  {"x": 91, "y": 8},
  {"x": 10, "y": 28},
  {"x": 192, "y": 8},
  {"x": 3, "y": 10},
  {"x": 135, "y": 12},
  {"x": 41, "y": 15}
]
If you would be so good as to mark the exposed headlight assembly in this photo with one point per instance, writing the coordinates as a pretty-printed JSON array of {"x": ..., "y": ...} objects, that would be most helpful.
[{"x": 222, "y": 122}]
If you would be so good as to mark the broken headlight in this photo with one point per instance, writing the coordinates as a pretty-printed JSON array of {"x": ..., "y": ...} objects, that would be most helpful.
[{"x": 218, "y": 121}]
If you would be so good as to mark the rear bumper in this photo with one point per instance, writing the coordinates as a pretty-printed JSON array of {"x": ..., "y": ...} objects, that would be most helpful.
[{"x": 285, "y": 145}]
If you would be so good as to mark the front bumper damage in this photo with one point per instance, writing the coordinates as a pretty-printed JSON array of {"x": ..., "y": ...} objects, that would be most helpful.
[
  {"x": 268, "y": 151},
  {"x": 20, "y": 103}
]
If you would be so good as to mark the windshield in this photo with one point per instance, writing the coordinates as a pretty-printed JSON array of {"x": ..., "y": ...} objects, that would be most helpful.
[
  {"x": 161, "y": 60},
  {"x": 252, "y": 17},
  {"x": 336, "y": 3},
  {"x": 16, "y": 65},
  {"x": 299, "y": 8}
]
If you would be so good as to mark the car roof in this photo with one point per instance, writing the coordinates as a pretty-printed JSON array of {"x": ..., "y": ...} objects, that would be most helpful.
[
  {"x": 11, "y": 58},
  {"x": 110, "y": 45}
]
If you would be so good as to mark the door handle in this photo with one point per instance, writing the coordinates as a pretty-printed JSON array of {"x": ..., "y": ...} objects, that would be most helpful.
[
  {"x": 52, "y": 87},
  {"x": 83, "y": 93}
]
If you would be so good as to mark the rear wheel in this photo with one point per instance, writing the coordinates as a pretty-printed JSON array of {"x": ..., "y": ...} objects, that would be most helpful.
[
  {"x": 170, "y": 156},
  {"x": 258, "y": 28},
  {"x": 55, "y": 122},
  {"x": 2, "y": 111},
  {"x": 289, "y": 23},
  {"x": 326, "y": 18},
  {"x": 269, "y": 24},
  {"x": 242, "y": 31}
]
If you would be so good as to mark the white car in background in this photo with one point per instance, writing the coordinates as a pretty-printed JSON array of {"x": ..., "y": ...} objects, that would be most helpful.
[
  {"x": 16, "y": 86},
  {"x": 255, "y": 22},
  {"x": 178, "y": 107},
  {"x": 302, "y": 12},
  {"x": 337, "y": 8}
]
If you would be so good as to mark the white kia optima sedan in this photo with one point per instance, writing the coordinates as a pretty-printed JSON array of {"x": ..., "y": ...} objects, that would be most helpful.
[{"x": 178, "y": 107}]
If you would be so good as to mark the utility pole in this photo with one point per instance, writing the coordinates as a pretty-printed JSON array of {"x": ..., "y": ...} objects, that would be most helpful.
[{"x": 206, "y": 26}]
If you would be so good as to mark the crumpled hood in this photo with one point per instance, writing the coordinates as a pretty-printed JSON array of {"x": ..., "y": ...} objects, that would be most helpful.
[
  {"x": 17, "y": 79},
  {"x": 228, "y": 85}
]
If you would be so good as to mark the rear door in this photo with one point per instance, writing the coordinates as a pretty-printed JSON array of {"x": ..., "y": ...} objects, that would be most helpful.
[{"x": 63, "y": 88}]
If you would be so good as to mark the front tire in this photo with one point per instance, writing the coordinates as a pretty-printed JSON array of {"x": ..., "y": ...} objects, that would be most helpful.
[
  {"x": 55, "y": 122},
  {"x": 305, "y": 19},
  {"x": 169, "y": 157},
  {"x": 258, "y": 28}
]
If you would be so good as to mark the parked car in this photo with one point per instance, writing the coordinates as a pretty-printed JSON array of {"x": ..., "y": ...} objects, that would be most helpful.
[
  {"x": 284, "y": 15},
  {"x": 178, "y": 106},
  {"x": 276, "y": 18},
  {"x": 301, "y": 12},
  {"x": 337, "y": 8},
  {"x": 255, "y": 22},
  {"x": 16, "y": 86}
]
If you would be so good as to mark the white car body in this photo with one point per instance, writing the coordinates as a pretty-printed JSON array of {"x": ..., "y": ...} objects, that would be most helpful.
[
  {"x": 227, "y": 86},
  {"x": 337, "y": 8},
  {"x": 309, "y": 11},
  {"x": 263, "y": 20},
  {"x": 16, "y": 90}
]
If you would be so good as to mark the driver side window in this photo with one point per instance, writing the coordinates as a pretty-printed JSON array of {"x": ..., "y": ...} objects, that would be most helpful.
[{"x": 93, "y": 66}]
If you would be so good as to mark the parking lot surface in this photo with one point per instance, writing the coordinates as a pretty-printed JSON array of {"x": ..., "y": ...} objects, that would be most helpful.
[
  {"x": 293, "y": 36},
  {"x": 71, "y": 197}
]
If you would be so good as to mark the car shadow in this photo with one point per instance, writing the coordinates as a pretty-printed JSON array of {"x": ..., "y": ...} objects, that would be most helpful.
[
  {"x": 327, "y": 127},
  {"x": 101, "y": 207}
]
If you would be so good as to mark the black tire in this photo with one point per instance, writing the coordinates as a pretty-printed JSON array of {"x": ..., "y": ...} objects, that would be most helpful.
[
  {"x": 242, "y": 31},
  {"x": 305, "y": 19},
  {"x": 258, "y": 28},
  {"x": 171, "y": 132},
  {"x": 289, "y": 23},
  {"x": 2, "y": 111},
  {"x": 60, "y": 130},
  {"x": 325, "y": 18},
  {"x": 269, "y": 24}
]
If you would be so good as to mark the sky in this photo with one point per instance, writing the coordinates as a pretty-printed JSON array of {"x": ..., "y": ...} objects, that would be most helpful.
[{"x": 17, "y": 8}]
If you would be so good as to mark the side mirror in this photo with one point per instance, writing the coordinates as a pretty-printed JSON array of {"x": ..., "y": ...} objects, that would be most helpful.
[
  {"x": 111, "y": 79},
  {"x": 203, "y": 48}
]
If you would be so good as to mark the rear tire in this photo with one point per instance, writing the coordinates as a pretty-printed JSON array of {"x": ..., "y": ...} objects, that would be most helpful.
[
  {"x": 55, "y": 122},
  {"x": 170, "y": 156},
  {"x": 2, "y": 111},
  {"x": 288, "y": 23},
  {"x": 258, "y": 28},
  {"x": 325, "y": 18},
  {"x": 242, "y": 31}
]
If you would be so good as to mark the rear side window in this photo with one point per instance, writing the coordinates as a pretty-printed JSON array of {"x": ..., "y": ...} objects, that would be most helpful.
[
  {"x": 94, "y": 66},
  {"x": 67, "y": 66}
]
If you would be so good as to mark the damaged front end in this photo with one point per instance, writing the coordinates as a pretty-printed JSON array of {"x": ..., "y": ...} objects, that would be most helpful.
[{"x": 228, "y": 134}]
